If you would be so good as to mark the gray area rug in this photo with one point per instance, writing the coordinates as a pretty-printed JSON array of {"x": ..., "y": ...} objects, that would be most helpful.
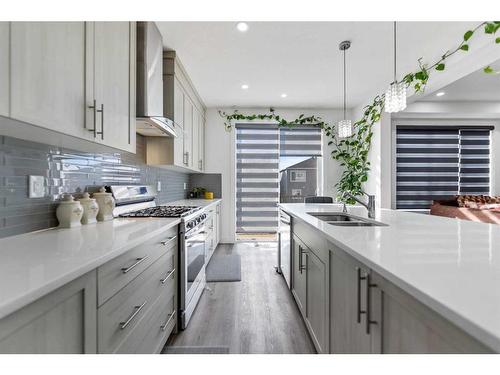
[
  {"x": 196, "y": 350},
  {"x": 224, "y": 267}
]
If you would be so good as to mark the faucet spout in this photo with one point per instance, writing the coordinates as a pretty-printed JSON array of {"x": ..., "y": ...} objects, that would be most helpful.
[{"x": 370, "y": 205}]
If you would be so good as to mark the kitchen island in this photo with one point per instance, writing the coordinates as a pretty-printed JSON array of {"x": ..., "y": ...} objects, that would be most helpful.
[{"x": 418, "y": 284}]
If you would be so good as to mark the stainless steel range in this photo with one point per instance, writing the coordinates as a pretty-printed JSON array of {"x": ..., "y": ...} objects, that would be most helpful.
[{"x": 139, "y": 201}]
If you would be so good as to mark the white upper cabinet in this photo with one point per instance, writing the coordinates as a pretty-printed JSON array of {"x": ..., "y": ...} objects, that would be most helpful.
[
  {"x": 188, "y": 132},
  {"x": 114, "y": 59},
  {"x": 196, "y": 137},
  {"x": 4, "y": 68},
  {"x": 47, "y": 75}
]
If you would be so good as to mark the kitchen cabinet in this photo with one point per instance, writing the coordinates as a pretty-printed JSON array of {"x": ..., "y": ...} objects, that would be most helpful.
[
  {"x": 188, "y": 132},
  {"x": 113, "y": 71},
  {"x": 4, "y": 68},
  {"x": 75, "y": 78},
  {"x": 196, "y": 139},
  {"x": 404, "y": 325},
  {"x": 201, "y": 143},
  {"x": 47, "y": 75},
  {"x": 299, "y": 284},
  {"x": 348, "y": 290},
  {"x": 63, "y": 321}
]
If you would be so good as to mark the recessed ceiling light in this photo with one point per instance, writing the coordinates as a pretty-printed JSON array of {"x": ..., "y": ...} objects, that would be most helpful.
[
  {"x": 244, "y": 87},
  {"x": 440, "y": 93},
  {"x": 284, "y": 95},
  {"x": 242, "y": 26}
]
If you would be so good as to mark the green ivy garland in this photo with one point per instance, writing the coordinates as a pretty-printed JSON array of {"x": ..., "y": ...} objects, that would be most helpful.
[{"x": 352, "y": 152}]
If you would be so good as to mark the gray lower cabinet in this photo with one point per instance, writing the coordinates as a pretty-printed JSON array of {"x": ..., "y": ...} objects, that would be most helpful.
[
  {"x": 310, "y": 288},
  {"x": 63, "y": 321},
  {"x": 348, "y": 330},
  {"x": 404, "y": 325}
]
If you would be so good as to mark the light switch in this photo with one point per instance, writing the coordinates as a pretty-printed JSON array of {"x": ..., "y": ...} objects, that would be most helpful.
[{"x": 36, "y": 186}]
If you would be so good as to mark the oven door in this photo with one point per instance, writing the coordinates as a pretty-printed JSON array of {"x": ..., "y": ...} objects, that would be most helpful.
[{"x": 193, "y": 266}]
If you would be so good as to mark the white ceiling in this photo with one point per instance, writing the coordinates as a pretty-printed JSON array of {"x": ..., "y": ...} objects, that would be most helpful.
[
  {"x": 301, "y": 59},
  {"x": 475, "y": 87}
]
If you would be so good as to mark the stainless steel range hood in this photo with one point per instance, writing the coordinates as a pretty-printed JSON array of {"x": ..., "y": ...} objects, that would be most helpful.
[{"x": 149, "y": 111}]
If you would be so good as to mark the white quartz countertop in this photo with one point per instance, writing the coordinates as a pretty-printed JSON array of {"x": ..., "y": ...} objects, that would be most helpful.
[
  {"x": 452, "y": 266},
  {"x": 35, "y": 264}
]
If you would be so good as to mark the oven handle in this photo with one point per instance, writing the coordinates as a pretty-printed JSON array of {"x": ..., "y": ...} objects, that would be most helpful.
[{"x": 201, "y": 231}]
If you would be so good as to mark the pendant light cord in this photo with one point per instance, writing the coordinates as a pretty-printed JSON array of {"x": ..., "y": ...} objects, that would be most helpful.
[
  {"x": 344, "y": 88},
  {"x": 395, "y": 51}
]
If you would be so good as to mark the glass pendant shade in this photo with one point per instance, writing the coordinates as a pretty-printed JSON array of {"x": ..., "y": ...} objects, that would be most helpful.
[
  {"x": 395, "y": 97},
  {"x": 344, "y": 128}
]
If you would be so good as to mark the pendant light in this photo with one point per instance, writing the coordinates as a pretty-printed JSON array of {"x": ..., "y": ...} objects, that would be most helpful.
[
  {"x": 395, "y": 96},
  {"x": 344, "y": 126}
]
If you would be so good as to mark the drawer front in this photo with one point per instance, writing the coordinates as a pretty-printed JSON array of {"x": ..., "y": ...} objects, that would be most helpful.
[
  {"x": 152, "y": 332},
  {"x": 114, "y": 275},
  {"x": 123, "y": 312}
]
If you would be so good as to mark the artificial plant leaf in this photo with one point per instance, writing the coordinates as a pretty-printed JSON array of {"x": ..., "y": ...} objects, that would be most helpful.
[{"x": 468, "y": 34}]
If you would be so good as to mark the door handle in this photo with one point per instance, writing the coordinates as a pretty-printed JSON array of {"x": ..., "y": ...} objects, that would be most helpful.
[
  {"x": 94, "y": 112},
  {"x": 358, "y": 295},
  {"x": 139, "y": 261},
  {"x": 369, "y": 285},
  {"x": 124, "y": 324},
  {"x": 301, "y": 261}
]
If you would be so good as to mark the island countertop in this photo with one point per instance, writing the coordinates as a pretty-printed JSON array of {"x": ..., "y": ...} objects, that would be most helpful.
[{"x": 452, "y": 266}]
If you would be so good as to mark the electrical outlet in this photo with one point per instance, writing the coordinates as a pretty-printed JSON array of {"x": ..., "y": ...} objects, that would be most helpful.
[
  {"x": 36, "y": 186},
  {"x": 158, "y": 186},
  {"x": 185, "y": 185}
]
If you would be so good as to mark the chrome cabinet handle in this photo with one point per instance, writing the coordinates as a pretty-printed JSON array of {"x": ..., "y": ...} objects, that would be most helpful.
[
  {"x": 163, "y": 281},
  {"x": 101, "y": 111},
  {"x": 164, "y": 326},
  {"x": 358, "y": 295},
  {"x": 168, "y": 240},
  {"x": 124, "y": 324},
  {"x": 139, "y": 261},
  {"x": 301, "y": 253},
  {"x": 94, "y": 108},
  {"x": 369, "y": 285}
]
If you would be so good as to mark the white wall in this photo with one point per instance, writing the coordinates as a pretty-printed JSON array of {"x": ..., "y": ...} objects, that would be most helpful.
[{"x": 219, "y": 156}]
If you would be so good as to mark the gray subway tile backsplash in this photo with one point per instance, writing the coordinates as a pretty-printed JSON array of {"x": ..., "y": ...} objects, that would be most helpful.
[{"x": 68, "y": 171}]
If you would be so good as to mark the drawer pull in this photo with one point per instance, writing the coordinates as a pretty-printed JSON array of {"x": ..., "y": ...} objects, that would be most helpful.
[
  {"x": 124, "y": 325},
  {"x": 168, "y": 240},
  {"x": 163, "y": 281},
  {"x": 139, "y": 261},
  {"x": 163, "y": 327}
]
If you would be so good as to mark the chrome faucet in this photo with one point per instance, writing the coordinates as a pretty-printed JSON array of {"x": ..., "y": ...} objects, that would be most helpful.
[{"x": 370, "y": 205}]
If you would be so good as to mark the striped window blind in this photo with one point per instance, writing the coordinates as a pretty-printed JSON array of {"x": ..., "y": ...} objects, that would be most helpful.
[
  {"x": 435, "y": 163},
  {"x": 300, "y": 141},
  {"x": 257, "y": 178}
]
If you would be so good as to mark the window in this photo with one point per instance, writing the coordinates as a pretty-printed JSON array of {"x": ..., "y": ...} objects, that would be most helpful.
[
  {"x": 435, "y": 163},
  {"x": 260, "y": 149}
]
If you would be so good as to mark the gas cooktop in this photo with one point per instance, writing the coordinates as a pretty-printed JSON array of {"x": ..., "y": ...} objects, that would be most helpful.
[{"x": 162, "y": 211}]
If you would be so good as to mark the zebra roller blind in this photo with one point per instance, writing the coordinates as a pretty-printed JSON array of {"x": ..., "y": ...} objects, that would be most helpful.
[
  {"x": 300, "y": 141},
  {"x": 435, "y": 163},
  {"x": 257, "y": 173}
]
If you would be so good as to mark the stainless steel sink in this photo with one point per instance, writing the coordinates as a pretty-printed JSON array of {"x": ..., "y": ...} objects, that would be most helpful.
[{"x": 345, "y": 220}]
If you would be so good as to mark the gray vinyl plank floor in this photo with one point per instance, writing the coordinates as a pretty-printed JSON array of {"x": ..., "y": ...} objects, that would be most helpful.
[{"x": 255, "y": 315}]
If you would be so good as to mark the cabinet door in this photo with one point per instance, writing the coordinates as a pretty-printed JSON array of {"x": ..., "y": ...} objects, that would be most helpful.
[
  {"x": 317, "y": 301},
  {"x": 112, "y": 83},
  {"x": 201, "y": 143},
  {"x": 4, "y": 68},
  {"x": 409, "y": 327},
  {"x": 196, "y": 139},
  {"x": 347, "y": 305},
  {"x": 48, "y": 75},
  {"x": 178, "y": 143},
  {"x": 61, "y": 322},
  {"x": 188, "y": 132},
  {"x": 299, "y": 283}
]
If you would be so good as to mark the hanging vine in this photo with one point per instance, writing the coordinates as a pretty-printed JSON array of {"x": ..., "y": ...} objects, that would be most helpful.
[{"x": 352, "y": 152}]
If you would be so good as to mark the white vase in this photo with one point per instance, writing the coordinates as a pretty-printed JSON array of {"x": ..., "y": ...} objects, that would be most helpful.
[
  {"x": 106, "y": 204},
  {"x": 69, "y": 212},
  {"x": 90, "y": 209}
]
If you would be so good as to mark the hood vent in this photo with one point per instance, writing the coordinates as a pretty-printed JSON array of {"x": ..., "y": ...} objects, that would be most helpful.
[{"x": 150, "y": 118}]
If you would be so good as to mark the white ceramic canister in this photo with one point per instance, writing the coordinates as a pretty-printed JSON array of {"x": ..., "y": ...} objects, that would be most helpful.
[
  {"x": 90, "y": 209},
  {"x": 106, "y": 204},
  {"x": 69, "y": 212}
]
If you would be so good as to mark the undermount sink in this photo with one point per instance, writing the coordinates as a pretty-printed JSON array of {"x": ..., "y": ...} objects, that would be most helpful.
[{"x": 345, "y": 220}]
